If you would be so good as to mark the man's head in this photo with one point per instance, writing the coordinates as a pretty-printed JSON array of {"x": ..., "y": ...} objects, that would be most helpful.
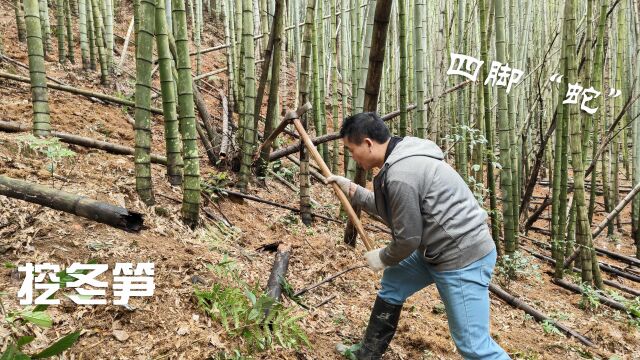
[{"x": 366, "y": 136}]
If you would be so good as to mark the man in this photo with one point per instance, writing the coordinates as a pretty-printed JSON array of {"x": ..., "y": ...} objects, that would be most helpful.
[{"x": 440, "y": 236}]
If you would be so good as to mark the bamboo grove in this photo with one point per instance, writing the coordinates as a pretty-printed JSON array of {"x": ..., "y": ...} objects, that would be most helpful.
[{"x": 392, "y": 57}]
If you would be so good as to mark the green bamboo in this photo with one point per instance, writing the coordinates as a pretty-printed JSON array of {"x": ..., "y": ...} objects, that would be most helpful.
[
  {"x": 108, "y": 31},
  {"x": 60, "y": 8},
  {"x": 404, "y": 64},
  {"x": 20, "y": 24},
  {"x": 247, "y": 128},
  {"x": 37, "y": 73},
  {"x": 82, "y": 27},
  {"x": 169, "y": 107},
  {"x": 318, "y": 100},
  {"x": 618, "y": 102},
  {"x": 91, "y": 36},
  {"x": 144, "y": 63},
  {"x": 45, "y": 25},
  {"x": 70, "y": 47},
  {"x": 333, "y": 32},
  {"x": 231, "y": 64},
  {"x": 97, "y": 29},
  {"x": 583, "y": 228},
  {"x": 598, "y": 72},
  {"x": 419, "y": 38},
  {"x": 272, "y": 103},
  {"x": 187, "y": 118},
  {"x": 303, "y": 95},
  {"x": 491, "y": 183},
  {"x": 504, "y": 134}
]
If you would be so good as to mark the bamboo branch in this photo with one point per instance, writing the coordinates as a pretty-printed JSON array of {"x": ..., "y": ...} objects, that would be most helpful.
[
  {"x": 606, "y": 222},
  {"x": 83, "y": 141}
]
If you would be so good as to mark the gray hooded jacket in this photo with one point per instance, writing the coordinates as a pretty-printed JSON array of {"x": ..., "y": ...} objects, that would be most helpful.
[{"x": 428, "y": 207}]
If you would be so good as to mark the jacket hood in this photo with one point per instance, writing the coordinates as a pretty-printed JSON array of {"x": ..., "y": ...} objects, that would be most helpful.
[{"x": 412, "y": 146}]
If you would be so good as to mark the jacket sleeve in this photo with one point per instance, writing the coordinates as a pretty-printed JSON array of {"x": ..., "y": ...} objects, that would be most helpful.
[
  {"x": 365, "y": 199},
  {"x": 403, "y": 200}
]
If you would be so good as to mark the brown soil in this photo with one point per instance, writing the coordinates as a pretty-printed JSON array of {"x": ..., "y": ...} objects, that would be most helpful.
[{"x": 170, "y": 325}]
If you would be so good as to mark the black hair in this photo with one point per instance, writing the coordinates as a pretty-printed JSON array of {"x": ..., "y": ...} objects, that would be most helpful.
[{"x": 365, "y": 125}]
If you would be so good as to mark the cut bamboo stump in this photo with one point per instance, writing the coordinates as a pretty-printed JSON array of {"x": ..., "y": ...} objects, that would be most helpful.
[
  {"x": 278, "y": 271},
  {"x": 101, "y": 212},
  {"x": 83, "y": 141},
  {"x": 540, "y": 317}
]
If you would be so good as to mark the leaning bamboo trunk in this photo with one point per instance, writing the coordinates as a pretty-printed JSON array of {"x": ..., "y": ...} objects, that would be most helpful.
[
  {"x": 583, "y": 230},
  {"x": 272, "y": 104},
  {"x": 167, "y": 84},
  {"x": 112, "y": 215},
  {"x": 372, "y": 88},
  {"x": 97, "y": 29},
  {"x": 144, "y": 60},
  {"x": 37, "y": 74},
  {"x": 187, "y": 118}
]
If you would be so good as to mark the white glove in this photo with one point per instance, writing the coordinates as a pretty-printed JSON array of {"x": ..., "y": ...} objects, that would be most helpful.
[
  {"x": 374, "y": 261},
  {"x": 343, "y": 183}
]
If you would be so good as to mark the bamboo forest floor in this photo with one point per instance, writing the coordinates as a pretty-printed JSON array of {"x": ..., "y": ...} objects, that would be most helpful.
[{"x": 170, "y": 325}]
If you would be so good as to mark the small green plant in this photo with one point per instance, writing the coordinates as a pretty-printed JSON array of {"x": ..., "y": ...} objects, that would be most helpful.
[
  {"x": 516, "y": 266},
  {"x": 287, "y": 172},
  {"x": 36, "y": 316},
  {"x": 49, "y": 147},
  {"x": 549, "y": 327},
  {"x": 478, "y": 188},
  {"x": 249, "y": 313},
  {"x": 590, "y": 299},
  {"x": 216, "y": 180}
]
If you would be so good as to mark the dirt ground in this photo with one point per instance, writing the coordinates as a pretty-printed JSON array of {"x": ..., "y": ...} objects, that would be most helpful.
[{"x": 170, "y": 324}]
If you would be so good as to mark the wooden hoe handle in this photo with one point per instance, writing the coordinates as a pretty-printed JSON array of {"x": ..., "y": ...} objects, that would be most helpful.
[{"x": 326, "y": 172}]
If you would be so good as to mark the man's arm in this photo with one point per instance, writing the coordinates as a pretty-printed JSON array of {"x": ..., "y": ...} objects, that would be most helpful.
[
  {"x": 364, "y": 198},
  {"x": 406, "y": 220}
]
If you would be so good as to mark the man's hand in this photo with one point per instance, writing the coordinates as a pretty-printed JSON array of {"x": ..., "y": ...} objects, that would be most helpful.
[
  {"x": 374, "y": 261},
  {"x": 343, "y": 183}
]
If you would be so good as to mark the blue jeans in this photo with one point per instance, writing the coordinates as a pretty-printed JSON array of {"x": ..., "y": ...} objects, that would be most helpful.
[{"x": 465, "y": 295}]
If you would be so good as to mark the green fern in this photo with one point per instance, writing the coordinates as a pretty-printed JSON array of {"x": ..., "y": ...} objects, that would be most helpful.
[{"x": 249, "y": 313}]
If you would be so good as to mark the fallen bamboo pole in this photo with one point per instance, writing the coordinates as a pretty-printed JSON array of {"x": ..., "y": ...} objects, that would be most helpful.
[
  {"x": 613, "y": 284},
  {"x": 275, "y": 155},
  {"x": 328, "y": 279},
  {"x": 602, "y": 299},
  {"x": 604, "y": 267},
  {"x": 540, "y": 317},
  {"x": 112, "y": 215},
  {"x": 83, "y": 92},
  {"x": 83, "y": 141}
]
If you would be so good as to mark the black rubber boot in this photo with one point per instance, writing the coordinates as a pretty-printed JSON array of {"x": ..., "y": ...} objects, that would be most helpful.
[{"x": 382, "y": 326}]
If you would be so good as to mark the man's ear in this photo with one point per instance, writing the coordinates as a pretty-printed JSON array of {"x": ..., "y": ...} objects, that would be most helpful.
[{"x": 369, "y": 142}]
